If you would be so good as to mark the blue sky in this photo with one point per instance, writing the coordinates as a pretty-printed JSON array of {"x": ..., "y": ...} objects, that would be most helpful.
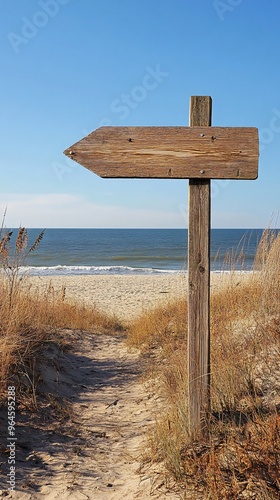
[{"x": 69, "y": 66}]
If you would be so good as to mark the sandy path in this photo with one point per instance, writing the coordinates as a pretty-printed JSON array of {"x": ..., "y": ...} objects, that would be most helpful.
[{"x": 102, "y": 460}]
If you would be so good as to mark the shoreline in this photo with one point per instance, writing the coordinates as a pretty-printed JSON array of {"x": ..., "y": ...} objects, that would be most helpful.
[
  {"x": 53, "y": 271},
  {"x": 122, "y": 295}
]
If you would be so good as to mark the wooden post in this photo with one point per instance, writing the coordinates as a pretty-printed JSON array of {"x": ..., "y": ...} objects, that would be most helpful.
[{"x": 199, "y": 283}]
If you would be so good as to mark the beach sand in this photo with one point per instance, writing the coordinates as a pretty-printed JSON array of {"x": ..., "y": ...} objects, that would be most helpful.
[{"x": 125, "y": 296}]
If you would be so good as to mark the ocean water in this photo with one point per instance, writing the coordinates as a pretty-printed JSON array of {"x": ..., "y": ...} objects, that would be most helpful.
[{"x": 134, "y": 251}]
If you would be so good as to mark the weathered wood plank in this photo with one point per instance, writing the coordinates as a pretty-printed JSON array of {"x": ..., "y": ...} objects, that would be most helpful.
[
  {"x": 170, "y": 152},
  {"x": 199, "y": 283}
]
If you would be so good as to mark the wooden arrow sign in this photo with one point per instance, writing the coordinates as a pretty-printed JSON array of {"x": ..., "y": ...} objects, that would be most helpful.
[
  {"x": 199, "y": 153},
  {"x": 169, "y": 152}
]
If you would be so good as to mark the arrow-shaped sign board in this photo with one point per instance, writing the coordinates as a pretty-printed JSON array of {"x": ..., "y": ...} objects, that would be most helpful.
[{"x": 170, "y": 152}]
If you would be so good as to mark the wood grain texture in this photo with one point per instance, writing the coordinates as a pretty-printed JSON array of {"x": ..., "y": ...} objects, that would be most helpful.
[
  {"x": 199, "y": 284},
  {"x": 170, "y": 152}
]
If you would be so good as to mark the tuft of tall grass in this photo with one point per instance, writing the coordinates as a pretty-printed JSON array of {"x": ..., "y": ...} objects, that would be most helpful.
[
  {"x": 12, "y": 257},
  {"x": 241, "y": 452}
]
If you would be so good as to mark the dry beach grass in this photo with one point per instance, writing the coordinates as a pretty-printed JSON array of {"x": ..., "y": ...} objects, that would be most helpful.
[
  {"x": 240, "y": 457},
  {"x": 42, "y": 341}
]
